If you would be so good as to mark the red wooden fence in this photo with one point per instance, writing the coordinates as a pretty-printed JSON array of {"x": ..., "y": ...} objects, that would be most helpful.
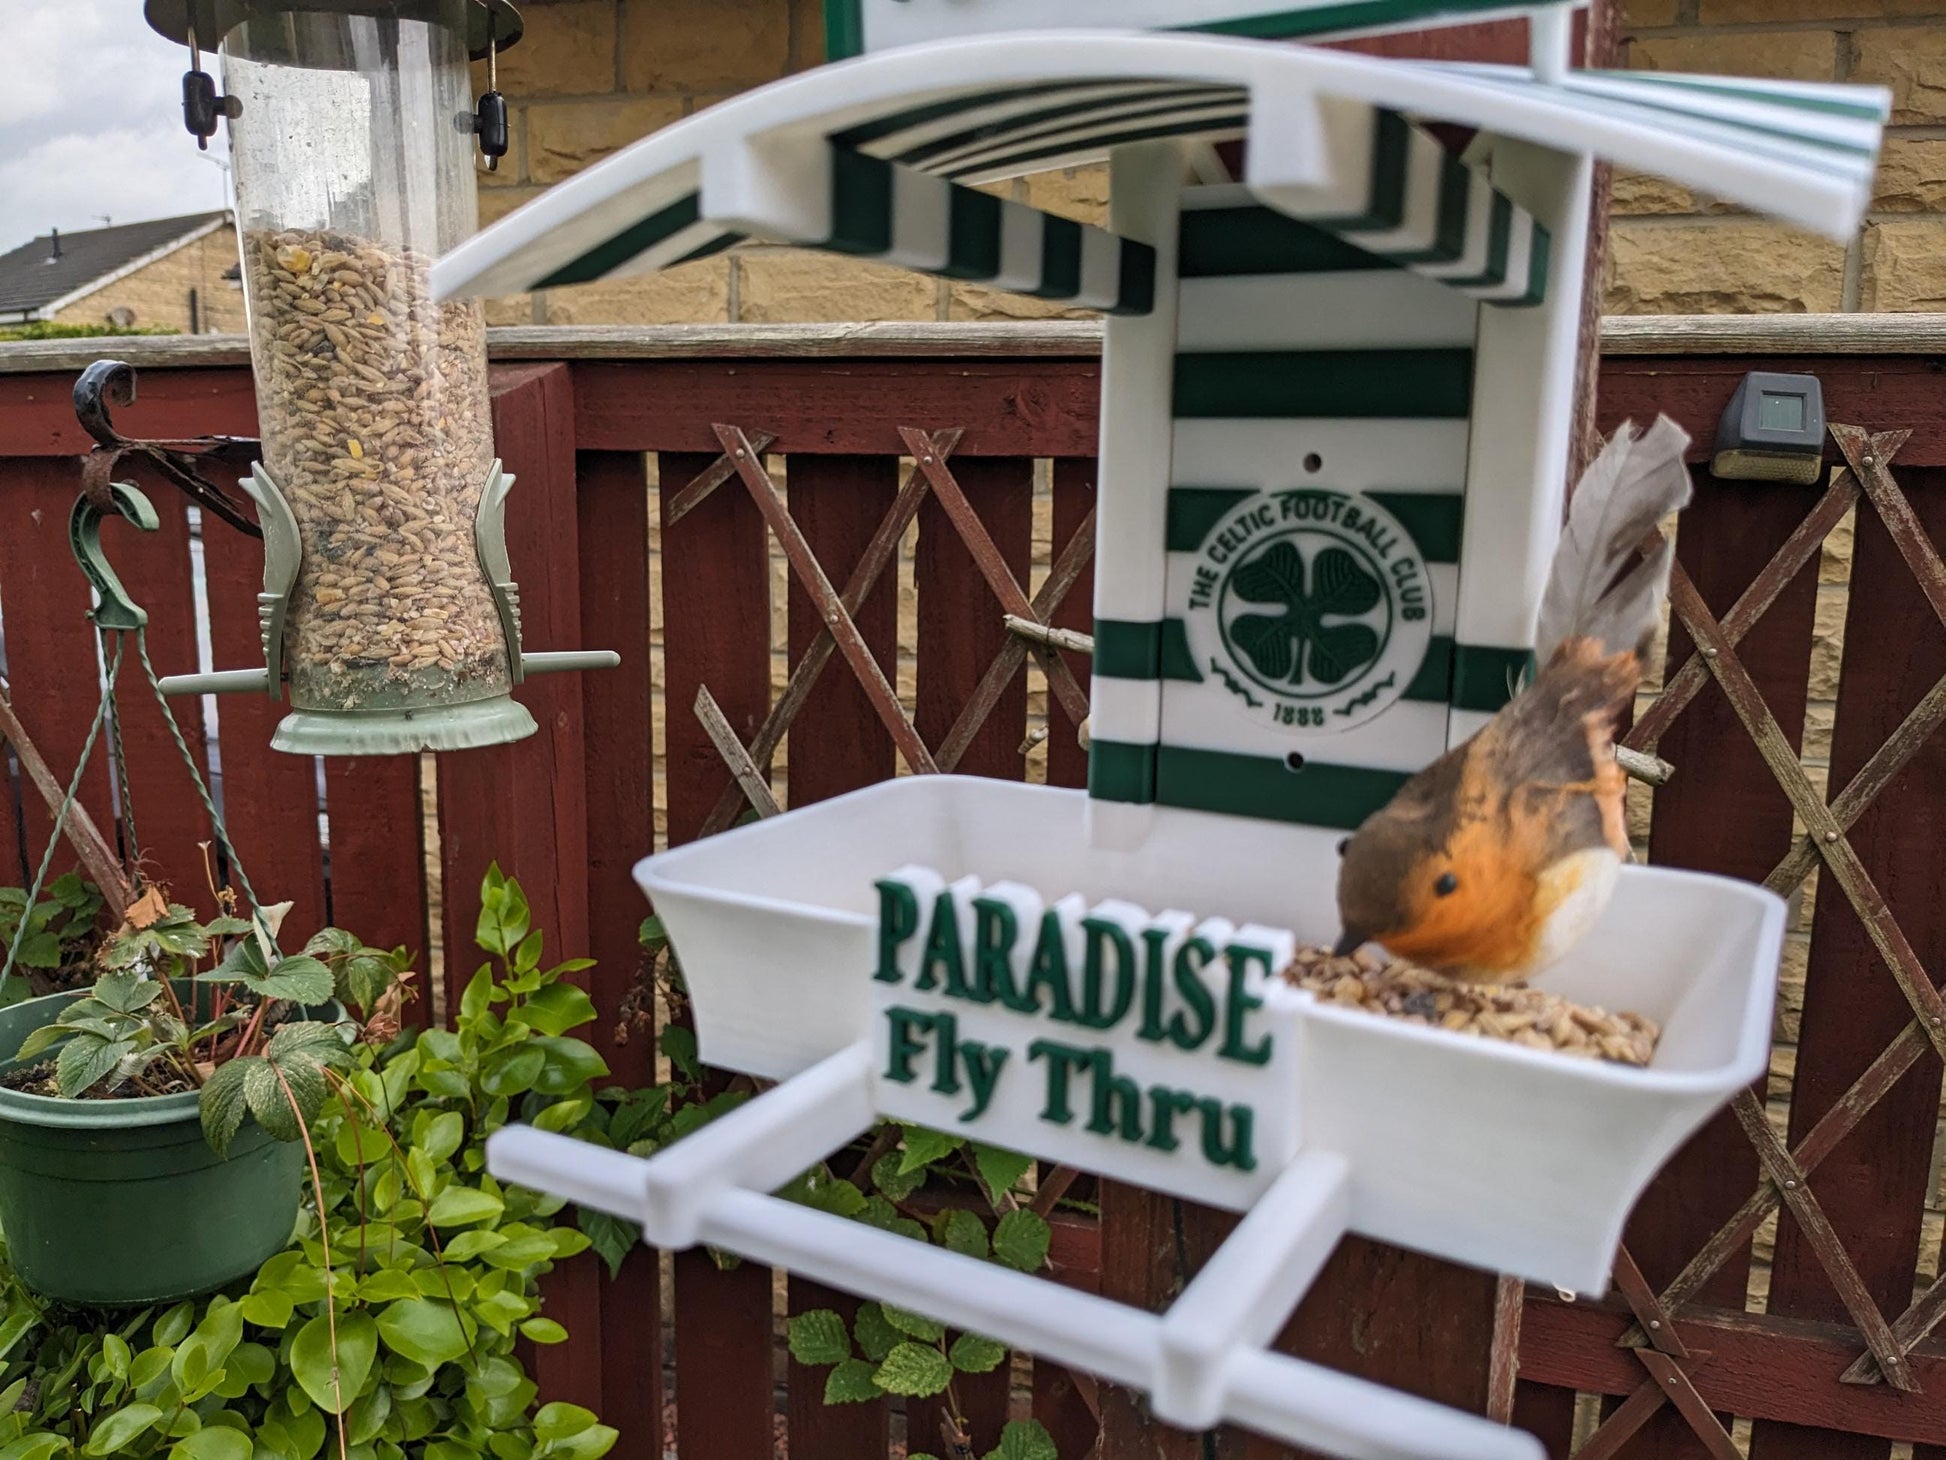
[{"x": 571, "y": 809}]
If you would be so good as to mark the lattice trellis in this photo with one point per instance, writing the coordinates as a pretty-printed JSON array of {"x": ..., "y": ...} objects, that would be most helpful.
[
  {"x": 742, "y": 458},
  {"x": 1669, "y": 1364}
]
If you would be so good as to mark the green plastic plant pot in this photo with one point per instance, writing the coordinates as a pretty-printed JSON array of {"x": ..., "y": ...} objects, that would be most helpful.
[{"x": 111, "y": 1203}]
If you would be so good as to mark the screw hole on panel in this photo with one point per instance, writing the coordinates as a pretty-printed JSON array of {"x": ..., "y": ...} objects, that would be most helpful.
[
  {"x": 1294, "y": 761},
  {"x": 1313, "y": 463}
]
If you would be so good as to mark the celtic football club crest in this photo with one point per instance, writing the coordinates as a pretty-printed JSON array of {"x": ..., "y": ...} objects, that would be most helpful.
[{"x": 1314, "y": 608}]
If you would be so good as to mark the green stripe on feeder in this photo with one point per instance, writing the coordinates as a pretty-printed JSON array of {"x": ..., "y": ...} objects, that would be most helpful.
[{"x": 389, "y": 614}]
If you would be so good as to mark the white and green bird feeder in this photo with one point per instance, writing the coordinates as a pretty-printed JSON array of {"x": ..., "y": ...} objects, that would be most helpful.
[
  {"x": 390, "y": 617},
  {"x": 1336, "y": 404}
]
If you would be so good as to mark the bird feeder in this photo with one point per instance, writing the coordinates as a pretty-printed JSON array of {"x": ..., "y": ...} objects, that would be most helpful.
[
  {"x": 389, "y": 613},
  {"x": 1337, "y": 393}
]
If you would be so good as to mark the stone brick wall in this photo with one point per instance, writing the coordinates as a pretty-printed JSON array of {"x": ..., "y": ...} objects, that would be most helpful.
[
  {"x": 594, "y": 75},
  {"x": 1676, "y": 252},
  {"x": 158, "y": 293}
]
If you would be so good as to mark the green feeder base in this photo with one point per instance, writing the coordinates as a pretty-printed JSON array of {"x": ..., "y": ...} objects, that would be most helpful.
[{"x": 400, "y": 732}]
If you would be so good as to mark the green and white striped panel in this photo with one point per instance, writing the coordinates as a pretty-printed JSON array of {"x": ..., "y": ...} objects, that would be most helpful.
[
  {"x": 1400, "y": 194},
  {"x": 1321, "y": 401},
  {"x": 897, "y": 215},
  {"x": 854, "y": 27}
]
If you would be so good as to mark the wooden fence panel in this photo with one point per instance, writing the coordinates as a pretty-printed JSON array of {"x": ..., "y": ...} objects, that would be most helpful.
[
  {"x": 960, "y": 633},
  {"x": 51, "y": 674},
  {"x": 377, "y": 864},
  {"x": 1722, "y": 813},
  {"x": 612, "y": 521},
  {"x": 716, "y": 626},
  {"x": 523, "y": 805},
  {"x": 1874, "y": 1185},
  {"x": 838, "y": 744},
  {"x": 270, "y": 799},
  {"x": 1074, "y": 498}
]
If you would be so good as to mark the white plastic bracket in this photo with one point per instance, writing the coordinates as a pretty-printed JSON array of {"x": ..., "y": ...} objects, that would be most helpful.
[
  {"x": 778, "y": 187},
  {"x": 1204, "y": 1360}
]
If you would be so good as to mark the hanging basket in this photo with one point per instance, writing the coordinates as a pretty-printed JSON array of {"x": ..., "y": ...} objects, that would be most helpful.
[{"x": 112, "y": 1203}]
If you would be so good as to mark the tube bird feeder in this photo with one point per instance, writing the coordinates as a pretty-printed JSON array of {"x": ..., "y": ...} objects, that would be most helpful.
[{"x": 389, "y": 613}]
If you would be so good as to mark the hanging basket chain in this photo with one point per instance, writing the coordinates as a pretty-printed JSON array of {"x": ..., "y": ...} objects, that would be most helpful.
[
  {"x": 61, "y": 815},
  {"x": 118, "y": 753}
]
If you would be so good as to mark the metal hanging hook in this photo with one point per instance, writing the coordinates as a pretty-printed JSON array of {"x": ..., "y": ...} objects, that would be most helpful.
[{"x": 116, "y": 610}]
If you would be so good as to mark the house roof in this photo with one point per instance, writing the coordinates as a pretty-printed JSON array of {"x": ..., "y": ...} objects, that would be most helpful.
[{"x": 33, "y": 276}]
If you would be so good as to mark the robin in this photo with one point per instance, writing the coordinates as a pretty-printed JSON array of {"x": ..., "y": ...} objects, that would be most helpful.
[{"x": 1496, "y": 859}]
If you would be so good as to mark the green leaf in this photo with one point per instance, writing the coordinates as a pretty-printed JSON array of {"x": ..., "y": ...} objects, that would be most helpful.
[
  {"x": 116, "y": 1432},
  {"x": 558, "y": 1008},
  {"x": 300, "y": 980},
  {"x": 679, "y": 1044},
  {"x": 923, "y": 1147},
  {"x": 314, "y": 1038},
  {"x": 213, "y": 1444},
  {"x": 914, "y": 1325},
  {"x": 86, "y": 1060},
  {"x": 1020, "y": 1240},
  {"x": 311, "y": 1364},
  {"x": 960, "y": 1231},
  {"x": 458, "y": 1206},
  {"x": 1024, "y": 1440},
  {"x": 173, "y": 1327},
  {"x": 513, "y": 1070},
  {"x": 613, "y": 1237},
  {"x": 43, "y": 1038},
  {"x": 890, "y": 1176},
  {"x": 442, "y": 1135},
  {"x": 36, "y": 1447},
  {"x": 876, "y": 1337},
  {"x": 268, "y": 1101},
  {"x": 914, "y": 1370},
  {"x": 561, "y": 1422},
  {"x": 478, "y": 995},
  {"x": 1000, "y": 1170},
  {"x": 126, "y": 993},
  {"x": 267, "y": 1310},
  {"x": 425, "y": 1331},
  {"x": 544, "y": 1330},
  {"x": 818, "y": 1337},
  {"x": 972, "y": 1354},
  {"x": 222, "y": 1104},
  {"x": 851, "y": 1383},
  {"x": 569, "y": 1065}
]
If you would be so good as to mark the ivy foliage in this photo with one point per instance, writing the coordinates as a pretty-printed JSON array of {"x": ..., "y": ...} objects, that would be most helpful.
[
  {"x": 887, "y": 1350},
  {"x": 389, "y": 1330}
]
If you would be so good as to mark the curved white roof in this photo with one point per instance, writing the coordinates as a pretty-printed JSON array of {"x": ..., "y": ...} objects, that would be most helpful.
[{"x": 914, "y": 126}]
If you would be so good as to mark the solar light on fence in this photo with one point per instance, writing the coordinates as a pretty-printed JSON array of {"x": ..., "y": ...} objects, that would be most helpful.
[
  {"x": 389, "y": 611},
  {"x": 1772, "y": 430}
]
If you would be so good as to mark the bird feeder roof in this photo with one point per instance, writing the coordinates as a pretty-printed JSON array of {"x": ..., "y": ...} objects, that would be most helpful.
[{"x": 881, "y": 157}]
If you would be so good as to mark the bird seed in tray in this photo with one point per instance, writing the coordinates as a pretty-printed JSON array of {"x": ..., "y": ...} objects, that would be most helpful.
[{"x": 1512, "y": 1012}]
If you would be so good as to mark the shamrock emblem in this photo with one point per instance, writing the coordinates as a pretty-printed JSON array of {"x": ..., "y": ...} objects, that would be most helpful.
[{"x": 1309, "y": 635}]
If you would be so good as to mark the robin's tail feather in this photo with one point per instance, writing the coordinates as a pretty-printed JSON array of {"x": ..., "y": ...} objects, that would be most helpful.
[{"x": 1598, "y": 589}]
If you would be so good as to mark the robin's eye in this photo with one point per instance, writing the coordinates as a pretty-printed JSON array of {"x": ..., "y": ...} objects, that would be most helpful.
[
  {"x": 1447, "y": 885},
  {"x": 1344, "y": 846}
]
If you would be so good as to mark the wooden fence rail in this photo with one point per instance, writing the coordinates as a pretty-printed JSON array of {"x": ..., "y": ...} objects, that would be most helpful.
[{"x": 618, "y": 541}]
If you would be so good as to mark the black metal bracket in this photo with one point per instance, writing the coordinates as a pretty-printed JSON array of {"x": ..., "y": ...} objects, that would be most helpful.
[{"x": 111, "y": 383}]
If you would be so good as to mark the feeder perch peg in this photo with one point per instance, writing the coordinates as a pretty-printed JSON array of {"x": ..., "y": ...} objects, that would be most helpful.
[{"x": 389, "y": 615}]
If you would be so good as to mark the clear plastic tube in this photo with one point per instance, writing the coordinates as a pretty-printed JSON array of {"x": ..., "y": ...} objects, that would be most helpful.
[{"x": 354, "y": 170}]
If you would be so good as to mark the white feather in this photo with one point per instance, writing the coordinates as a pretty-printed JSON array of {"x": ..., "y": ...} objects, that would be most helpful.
[{"x": 1592, "y": 589}]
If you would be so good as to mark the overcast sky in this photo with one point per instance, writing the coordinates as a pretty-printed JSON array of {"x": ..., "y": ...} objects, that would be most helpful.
[{"x": 91, "y": 110}]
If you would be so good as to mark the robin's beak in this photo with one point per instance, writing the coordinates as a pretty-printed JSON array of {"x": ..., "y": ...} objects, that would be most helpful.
[{"x": 1349, "y": 942}]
